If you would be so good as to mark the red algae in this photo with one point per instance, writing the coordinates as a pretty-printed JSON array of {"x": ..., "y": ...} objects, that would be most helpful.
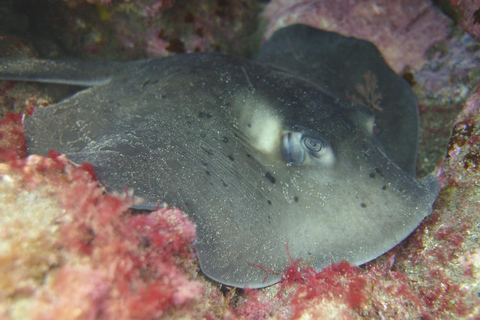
[{"x": 339, "y": 281}]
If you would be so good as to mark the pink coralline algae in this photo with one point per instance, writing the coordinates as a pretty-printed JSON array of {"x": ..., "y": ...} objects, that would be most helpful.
[
  {"x": 452, "y": 71},
  {"x": 402, "y": 30},
  {"x": 470, "y": 12},
  {"x": 442, "y": 87}
]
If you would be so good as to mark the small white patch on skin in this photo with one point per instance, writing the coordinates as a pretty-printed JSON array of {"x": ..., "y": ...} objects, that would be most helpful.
[
  {"x": 261, "y": 125},
  {"x": 265, "y": 132},
  {"x": 368, "y": 125}
]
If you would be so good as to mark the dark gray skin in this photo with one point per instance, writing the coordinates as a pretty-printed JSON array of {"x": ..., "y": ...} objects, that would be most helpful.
[{"x": 260, "y": 154}]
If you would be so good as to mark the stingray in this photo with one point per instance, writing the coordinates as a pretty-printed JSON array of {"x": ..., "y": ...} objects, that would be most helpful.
[{"x": 311, "y": 145}]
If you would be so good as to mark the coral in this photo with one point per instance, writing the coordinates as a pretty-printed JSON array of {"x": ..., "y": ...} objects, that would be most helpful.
[
  {"x": 470, "y": 12},
  {"x": 402, "y": 30}
]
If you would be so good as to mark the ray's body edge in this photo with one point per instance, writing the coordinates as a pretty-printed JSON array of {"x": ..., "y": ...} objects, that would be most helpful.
[{"x": 251, "y": 193}]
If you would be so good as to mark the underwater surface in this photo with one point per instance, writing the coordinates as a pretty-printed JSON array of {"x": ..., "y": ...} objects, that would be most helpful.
[{"x": 72, "y": 252}]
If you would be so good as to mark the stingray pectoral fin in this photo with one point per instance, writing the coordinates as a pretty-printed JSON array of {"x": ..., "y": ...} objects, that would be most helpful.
[
  {"x": 80, "y": 73},
  {"x": 431, "y": 184}
]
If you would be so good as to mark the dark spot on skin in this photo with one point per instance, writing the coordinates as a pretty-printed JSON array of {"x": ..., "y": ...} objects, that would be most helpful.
[
  {"x": 202, "y": 114},
  {"x": 249, "y": 125},
  {"x": 363, "y": 205},
  {"x": 269, "y": 176},
  {"x": 145, "y": 83},
  {"x": 372, "y": 175},
  {"x": 295, "y": 199},
  {"x": 205, "y": 164},
  {"x": 235, "y": 135},
  {"x": 208, "y": 151},
  {"x": 208, "y": 172},
  {"x": 384, "y": 188},
  {"x": 224, "y": 184},
  {"x": 225, "y": 139},
  {"x": 249, "y": 155},
  {"x": 270, "y": 203},
  {"x": 379, "y": 171},
  {"x": 231, "y": 158}
]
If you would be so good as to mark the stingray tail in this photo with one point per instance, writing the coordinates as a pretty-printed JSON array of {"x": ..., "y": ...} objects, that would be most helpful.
[{"x": 80, "y": 73}]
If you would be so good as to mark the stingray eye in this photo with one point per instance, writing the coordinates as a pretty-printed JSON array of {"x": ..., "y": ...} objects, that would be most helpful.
[{"x": 312, "y": 144}]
